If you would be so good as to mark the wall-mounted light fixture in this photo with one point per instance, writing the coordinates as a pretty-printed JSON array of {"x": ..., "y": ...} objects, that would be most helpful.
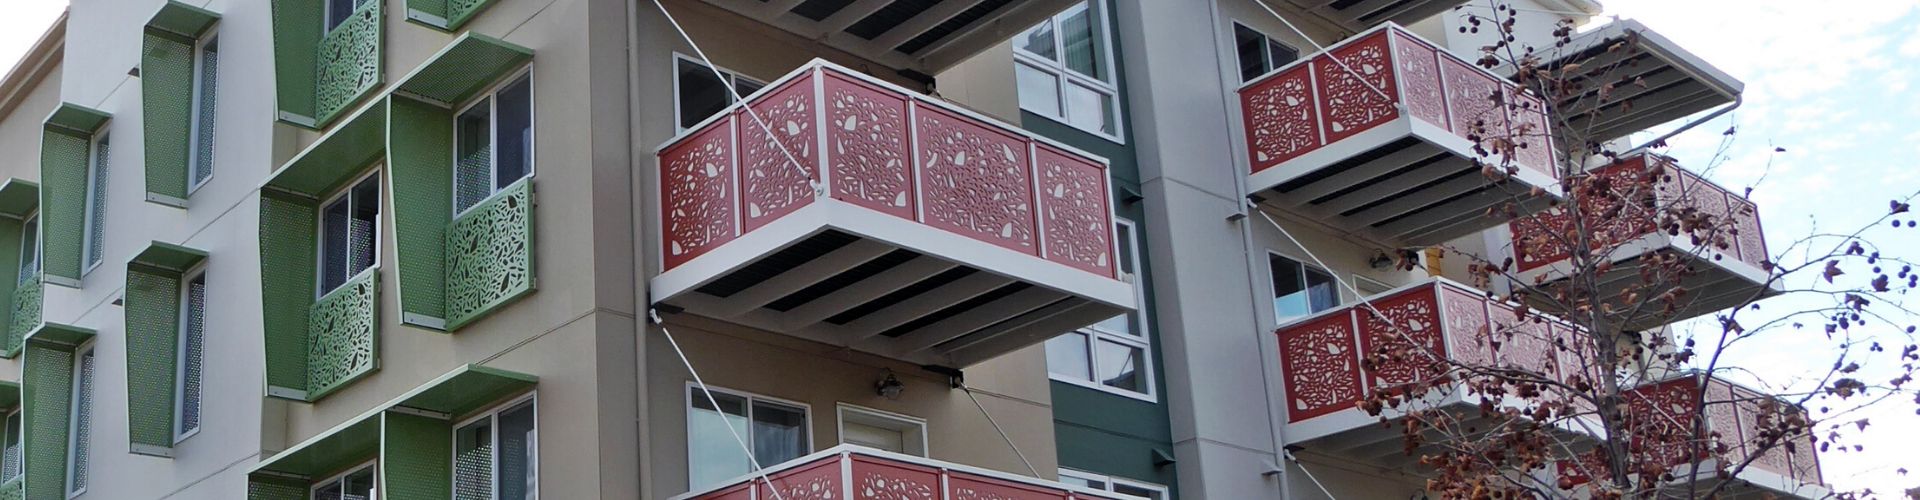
[{"x": 889, "y": 387}]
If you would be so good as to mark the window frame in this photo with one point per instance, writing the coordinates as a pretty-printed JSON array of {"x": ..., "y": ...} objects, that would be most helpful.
[
  {"x": 194, "y": 182},
  {"x": 82, "y": 388},
  {"x": 919, "y": 425},
  {"x": 1339, "y": 297},
  {"x": 732, "y": 82},
  {"x": 806, "y": 412},
  {"x": 492, "y": 416},
  {"x": 1110, "y": 481},
  {"x": 29, "y": 253},
  {"x": 197, "y": 273},
  {"x": 490, "y": 98},
  {"x": 1097, "y": 11},
  {"x": 1142, "y": 341},
  {"x": 320, "y": 231},
  {"x": 1266, "y": 52},
  {"x": 313, "y": 490},
  {"x": 88, "y": 260}
]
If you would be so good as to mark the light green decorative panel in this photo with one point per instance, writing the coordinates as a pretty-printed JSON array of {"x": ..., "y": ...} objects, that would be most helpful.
[
  {"x": 47, "y": 387},
  {"x": 166, "y": 97},
  {"x": 343, "y": 335},
  {"x": 349, "y": 59},
  {"x": 25, "y": 313},
  {"x": 152, "y": 302},
  {"x": 269, "y": 487},
  {"x": 288, "y": 225},
  {"x": 490, "y": 255},
  {"x": 15, "y": 489},
  {"x": 444, "y": 15},
  {"x": 63, "y": 204},
  {"x": 416, "y": 456},
  {"x": 418, "y": 149}
]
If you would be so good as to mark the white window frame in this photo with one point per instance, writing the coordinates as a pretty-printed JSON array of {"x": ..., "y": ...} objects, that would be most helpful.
[
  {"x": 314, "y": 489},
  {"x": 732, "y": 83},
  {"x": 1339, "y": 296},
  {"x": 320, "y": 232},
  {"x": 919, "y": 425},
  {"x": 198, "y": 272},
  {"x": 74, "y": 453},
  {"x": 29, "y": 253},
  {"x": 1143, "y": 341},
  {"x": 806, "y": 411},
  {"x": 493, "y": 129},
  {"x": 1111, "y": 481},
  {"x": 1110, "y": 91},
  {"x": 492, "y": 415},
  {"x": 193, "y": 118},
  {"x": 1266, "y": 50},
  {"x": 89, "y": 260}
]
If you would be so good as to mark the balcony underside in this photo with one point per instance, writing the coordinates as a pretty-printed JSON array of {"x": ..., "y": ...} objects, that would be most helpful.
[
  {"x": 1399, "y": 185},
  {"x": 848, "y": 276},
  {"x": 923, "y": 36},
  {"x": 1358, "y": 15},
  {"x": 1653, "y": 81},
  {"x": 1365, "y": 440},
  {"x": 1713, "y": 282},
  {"x": 1751, "y": 483}
]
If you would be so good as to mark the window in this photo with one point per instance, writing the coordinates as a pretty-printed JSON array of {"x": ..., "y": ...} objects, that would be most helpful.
[
  {"x": 30, "y": 248},
  {"x": 193, "y": 314},
  {"x": 1111, "y": 355},
  {"x": 883, "y": 430},
  {"x": 1299, "y": 290},
  {"x": 206, "y": 63},
  {"x": 356, "y": 484},
  {"x": 339, "y": 10},
  {"x": 495, "y": 456},
  {"x": 350, "y": 233},
  {"x": 777, "y": 432},
  {"x": 1259, "y": 53},
  {"x": 10, "y": 454},
  {"x": 97, "y": 203},
  {"x": 699, "y": 94},
  {"x": 493, "y": 142},
  {"x": 1101, "y": 482},
  {"x": 1064, "y": 70},
  {"x": 80, "y": 434}
]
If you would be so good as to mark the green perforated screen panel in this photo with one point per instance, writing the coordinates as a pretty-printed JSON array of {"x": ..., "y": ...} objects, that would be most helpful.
[
  {"x": 296, "y": 58},
  {"x": 343, "y": 335},
  {"x": 270, "y": 487},
  {"x": 419, "y": 149},
  {"x": 166, "y": 97},
  {"x": 416, "y": 456},
  {"x": 24, "y": 313},
  {"x": 63, "y": 206},
  {"x": 445, "y": 15},
  {"x": 287, "y": 247},
  {"x": 47, "y": 374},
  {"x": 10, "y": 236},
  {"x": 152, "y": 304},
  {"x": 349, "y": 59}
]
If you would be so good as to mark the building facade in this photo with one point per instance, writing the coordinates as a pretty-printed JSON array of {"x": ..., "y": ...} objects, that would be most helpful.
[{"x": 336, "y": 249}]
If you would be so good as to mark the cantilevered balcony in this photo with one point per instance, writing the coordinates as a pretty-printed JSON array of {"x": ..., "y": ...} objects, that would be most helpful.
[
  {"x": 913, "y": 36},
  {"x": 1737, "y": 418},
  {"x": 900, "y": 225},
  {"x": 1325, "y": 369},
  {"x": 1631, "y": 79},
  {"x": 1724, "y": 252},
  {"x": 1372, "y": 136},
  {"x": 1358, "y": 15},
  {"x": 854, "y": 472}
]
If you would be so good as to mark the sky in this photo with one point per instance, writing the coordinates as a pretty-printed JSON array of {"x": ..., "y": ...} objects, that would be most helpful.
[{"x": 1832, "y": 85}]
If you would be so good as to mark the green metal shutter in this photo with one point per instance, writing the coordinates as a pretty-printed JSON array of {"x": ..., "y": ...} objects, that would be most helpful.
[
  {"x": 63, "y": 204},
  {"x": 296, "y": 58},
  {"x": 47, "y": 387},
  {"x": 416, "y": 456},
  {"x": 153, "y": 317},
  {"x": 166, "y": 97},
  {"x": 288, "y": 226},
  {"x": 419, "y": 147}
]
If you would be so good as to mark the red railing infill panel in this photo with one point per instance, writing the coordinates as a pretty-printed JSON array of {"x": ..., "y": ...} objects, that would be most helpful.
[
  {"x": 869, "y": 146},
  {"x": 1073, "y": 211},
  {"x": 819, "y": 480},
  {"x": 1395, "y": 342},
  {"x": 1662, "y": 420},
  {"x": 876, "y": 479},
  {"x": 1467, "y": 325},
  {"x": 1723, "y": 420},
  {"x": 698, "y": 210},
  {"x": 1281, "y": 117},
  {"x": 976, "y": 180},
  {"x": 1321, "y": 363},
  {"x": 1747, "y": 237},
  {"x": 770, "y": 185},
  {"x": 1773, "y": 459},
  {"x": 1473, "y": 99},
  {"x": 1357, "y": 89},
  {"x": 1418, "y": 65},
  {"x": 971, "y": 487},
  {"x": 742, "y": 491}
]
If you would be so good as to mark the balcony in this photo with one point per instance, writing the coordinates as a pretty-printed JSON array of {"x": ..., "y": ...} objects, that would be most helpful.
[
  {"x": 1372, "y": 136},
  {"x": 1633, "y": 79},
  {"x": 1358, "y": 15},
  {"x": 1735, "y": 417},
  {"x": 910, "y": 228},
  {"x": 1324, "y": 369},
  {"x": 841, "y": 471},
  {"x": 921, "y": 37},
  {"x": 1725, "y": 257}
]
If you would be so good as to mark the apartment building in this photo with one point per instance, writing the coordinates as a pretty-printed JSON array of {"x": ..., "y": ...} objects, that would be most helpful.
[{"x": 336, "y": 249}]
